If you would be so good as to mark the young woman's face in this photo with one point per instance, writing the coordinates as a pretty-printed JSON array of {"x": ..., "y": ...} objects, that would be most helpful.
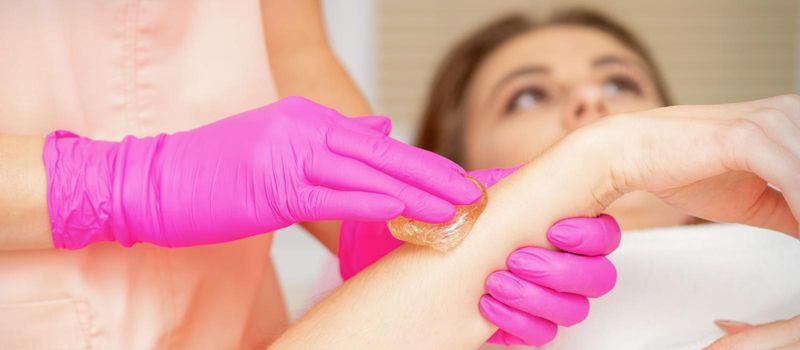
[{"x": 536, "y": 88}]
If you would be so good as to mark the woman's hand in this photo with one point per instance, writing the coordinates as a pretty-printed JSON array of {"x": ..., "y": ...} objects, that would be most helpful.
[
  {"x": 573, "y": 178},
  {"x": 784, "y": 334},
  {"x": 258, "y": 171},
  {"x": 714, "y": 162}
]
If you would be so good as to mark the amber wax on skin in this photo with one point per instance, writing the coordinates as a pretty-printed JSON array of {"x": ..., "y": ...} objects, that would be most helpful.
[{"x": 444, "y": 236}]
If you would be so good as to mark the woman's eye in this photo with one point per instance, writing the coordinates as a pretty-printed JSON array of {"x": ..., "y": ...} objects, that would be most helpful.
[
  {"x": 525, "y": 99},
  {"x": 617, "y": 85}
]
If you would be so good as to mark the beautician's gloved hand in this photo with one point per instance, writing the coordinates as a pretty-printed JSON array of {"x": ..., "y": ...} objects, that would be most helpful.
[
  {"x": 544, "y": 288},
  {"x": 250, "y": 173},
  {"x": 540, "y": 290}
]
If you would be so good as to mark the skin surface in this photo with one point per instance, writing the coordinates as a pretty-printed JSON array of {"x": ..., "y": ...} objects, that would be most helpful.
[{"x": 24, "y": 222}]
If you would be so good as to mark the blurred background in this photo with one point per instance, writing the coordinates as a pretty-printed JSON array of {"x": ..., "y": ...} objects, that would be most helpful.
[{"x": 710, "y": 51}]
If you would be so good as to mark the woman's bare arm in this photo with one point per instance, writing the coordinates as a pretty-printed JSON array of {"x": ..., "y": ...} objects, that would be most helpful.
[
  {"x": 24, "y": 222},
  {"x": 303, "y": 63},
  {"x": 417, "y": 298},
  {"x": 695, "y": 157}
]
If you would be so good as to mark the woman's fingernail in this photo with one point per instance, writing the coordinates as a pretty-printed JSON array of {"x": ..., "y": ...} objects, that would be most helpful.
[
  {"x": 502, "y": 286},
  {"x": 732, "y": 327},
  {"x": 565, "y": 236}
]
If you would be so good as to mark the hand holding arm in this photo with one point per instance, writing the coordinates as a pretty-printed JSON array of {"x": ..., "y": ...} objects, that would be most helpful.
[
  {"x": 540, "y": 288},
  {"x": 409, "y": 300}
]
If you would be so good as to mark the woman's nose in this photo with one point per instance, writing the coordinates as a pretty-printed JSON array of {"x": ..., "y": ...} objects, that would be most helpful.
[{"x": 587, "y": 105}]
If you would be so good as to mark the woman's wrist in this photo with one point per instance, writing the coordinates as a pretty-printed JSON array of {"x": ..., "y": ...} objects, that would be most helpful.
[
  {"x": 576, "y": 176},
  {"x": 418, "y": 281},
  {"x": 24, "y": 221},
  {"x": 600, "y": 151}
]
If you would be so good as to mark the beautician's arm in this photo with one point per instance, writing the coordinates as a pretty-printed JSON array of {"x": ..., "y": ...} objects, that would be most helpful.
[
  {"x": 303, "y": 64},
  {"x": 24, "y": 220},
  {"x": 416, "y": 298}
]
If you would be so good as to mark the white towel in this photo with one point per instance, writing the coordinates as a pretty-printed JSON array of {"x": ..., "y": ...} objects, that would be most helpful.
[{"x": 674, "y": 282}]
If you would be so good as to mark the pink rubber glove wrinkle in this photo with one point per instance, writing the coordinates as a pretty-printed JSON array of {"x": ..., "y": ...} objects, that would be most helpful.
[
  {"x": 527, "y": 313},
  {"x": 254, "y": 172},
  {"x": 78, "y": 189}
]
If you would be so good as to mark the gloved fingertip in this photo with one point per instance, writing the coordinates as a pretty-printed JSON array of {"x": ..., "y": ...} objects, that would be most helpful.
[
  {"x": 487, "y": 307},
  {"x": 501, "y": 337},
  {"x": 503, "y": 286},
  {"x": 459, "y": 170},
  {"x": 490, "y": 177},
  {"x": 457, "y": 188},
  {"x": 564, "y": 236},
  {"x": 548, "y": 335},
  {"x": 472, "y": 193},
  {"x": 606, "y": 279},
  {"x": 585, "y": 235},
  {"x": 462, "y": 190},
  {"x": 526, "y": 262},
  {"x": 434, "y": 212},
  {"x": 612, "y": 231},
  {"x": 578, "y": 313},
  {"x": 380, "y": 124},
  {"x": 391, "y": 209},
  {"x": 375, "y": 207}
]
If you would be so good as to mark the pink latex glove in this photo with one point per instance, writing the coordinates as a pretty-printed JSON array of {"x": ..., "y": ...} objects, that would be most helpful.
[
  {"x": 254, "y": 172},
  {"x": 542, "y": 288}
]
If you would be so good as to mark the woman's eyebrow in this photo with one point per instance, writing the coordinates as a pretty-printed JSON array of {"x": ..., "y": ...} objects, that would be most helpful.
[
  {"x": 525, "y": 70},
  {"x": 607, "y": 60}
]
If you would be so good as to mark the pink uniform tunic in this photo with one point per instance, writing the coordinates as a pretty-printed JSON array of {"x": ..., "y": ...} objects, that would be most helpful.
[{"x": 105, "y": 69}]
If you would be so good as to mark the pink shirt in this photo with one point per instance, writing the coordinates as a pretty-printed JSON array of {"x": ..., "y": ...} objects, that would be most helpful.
[{"x": 105, "y": 69}]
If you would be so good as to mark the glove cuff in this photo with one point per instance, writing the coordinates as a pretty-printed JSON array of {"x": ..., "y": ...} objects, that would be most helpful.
[{"x": 79, "y": 189}]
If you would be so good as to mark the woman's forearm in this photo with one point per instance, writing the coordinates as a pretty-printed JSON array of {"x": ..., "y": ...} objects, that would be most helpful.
[
  {"x": 417, "y": 298},
  {"x": 24, "y": 222},
  {"x": 718, "y": 167}
]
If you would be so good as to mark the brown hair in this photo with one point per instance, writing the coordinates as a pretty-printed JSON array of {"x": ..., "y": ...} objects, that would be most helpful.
[{"x": 442, "y": 118}]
